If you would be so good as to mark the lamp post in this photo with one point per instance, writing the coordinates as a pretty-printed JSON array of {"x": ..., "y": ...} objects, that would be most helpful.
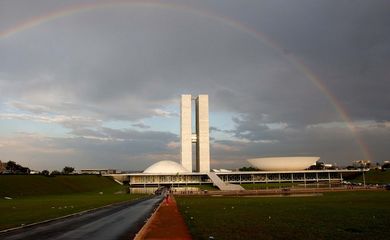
[{"x": 364, "y": 178}]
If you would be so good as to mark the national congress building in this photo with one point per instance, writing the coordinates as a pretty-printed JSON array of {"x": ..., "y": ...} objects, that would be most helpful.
[{"x": 272, "y": 170}]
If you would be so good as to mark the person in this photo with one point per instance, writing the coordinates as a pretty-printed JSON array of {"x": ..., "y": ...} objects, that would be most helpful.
[{"x": 167, "y": 198}]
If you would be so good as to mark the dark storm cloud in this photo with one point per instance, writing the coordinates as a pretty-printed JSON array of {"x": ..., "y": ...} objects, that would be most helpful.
[
  {"x": 347, "y": 46},
  {"x": 344, "y": 43},
  {"x": 146, "y": 67},
  {"x": 130, "y": 63},
  {"x": 141, "y": 65}
]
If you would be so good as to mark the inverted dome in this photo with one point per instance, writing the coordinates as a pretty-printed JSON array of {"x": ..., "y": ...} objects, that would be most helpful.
[
  {"x": 283, "y": 163},
  {"x": 166, "y": 167}
]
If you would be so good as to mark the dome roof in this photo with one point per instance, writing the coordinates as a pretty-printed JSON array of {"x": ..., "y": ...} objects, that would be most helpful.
[
  {"x": 283, "y": 163},
  {"x": 166, "y": 167}
]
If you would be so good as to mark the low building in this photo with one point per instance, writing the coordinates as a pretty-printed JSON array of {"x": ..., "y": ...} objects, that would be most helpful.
[
  {"x": 362, "y": 164},
  {"x": 97, "y": 171},
  {"x": 195, "y": 178}
]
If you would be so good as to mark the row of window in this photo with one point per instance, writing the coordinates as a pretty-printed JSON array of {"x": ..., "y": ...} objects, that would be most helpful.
[{"x": 274, "y": 177}]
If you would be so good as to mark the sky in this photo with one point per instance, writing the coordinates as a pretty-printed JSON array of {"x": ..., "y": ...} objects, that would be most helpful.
[{"x": 97, "y": 84}]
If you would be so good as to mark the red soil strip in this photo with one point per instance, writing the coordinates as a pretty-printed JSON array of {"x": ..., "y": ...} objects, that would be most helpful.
[{"x": 167, "y": 223}]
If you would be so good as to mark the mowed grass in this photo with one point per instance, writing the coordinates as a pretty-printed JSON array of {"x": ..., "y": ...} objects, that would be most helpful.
[
  {"x": 34, "y": 185},
  {"x": 38, "y": 198},
  {"x": 344, "y": 215}
]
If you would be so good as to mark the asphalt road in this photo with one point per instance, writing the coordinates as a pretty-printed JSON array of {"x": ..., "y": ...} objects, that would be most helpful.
[{"x": 121, "y": 221}]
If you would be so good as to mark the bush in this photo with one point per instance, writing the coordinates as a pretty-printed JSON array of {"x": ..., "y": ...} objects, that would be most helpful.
[{"x": 67, "y": 170}]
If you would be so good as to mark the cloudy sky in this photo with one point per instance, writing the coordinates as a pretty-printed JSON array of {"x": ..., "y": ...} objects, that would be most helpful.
[{"x": 95, "y": 84}]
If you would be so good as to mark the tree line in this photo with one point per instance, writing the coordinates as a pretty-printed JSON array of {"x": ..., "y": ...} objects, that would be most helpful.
[{"x": 12, "y": 167}]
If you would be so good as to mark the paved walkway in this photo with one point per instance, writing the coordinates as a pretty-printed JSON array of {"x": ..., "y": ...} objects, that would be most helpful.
[{"x": 167, "y": 223}]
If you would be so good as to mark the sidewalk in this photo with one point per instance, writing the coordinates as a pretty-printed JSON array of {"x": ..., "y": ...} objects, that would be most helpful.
[{"x": 167, "y": 223}]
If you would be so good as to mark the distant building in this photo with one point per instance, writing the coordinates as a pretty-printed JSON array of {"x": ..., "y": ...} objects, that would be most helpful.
[
  {"x": 97, "y": 171},
  {"x": 330, "y": 166},
  {"x": 3, "y": 166},
  {"x": 386, "y": 165},
  {"x": 362, "y": 164}
]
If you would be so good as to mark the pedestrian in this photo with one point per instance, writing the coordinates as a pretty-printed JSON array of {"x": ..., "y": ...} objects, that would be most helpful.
[{"x": 167, "y": 198}]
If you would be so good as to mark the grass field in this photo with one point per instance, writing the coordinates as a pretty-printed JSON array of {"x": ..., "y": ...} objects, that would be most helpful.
[
  {"x": 35, "y": 185},
  {"x": 37, "y": 198},
  {"x": 347, "y": 215}
]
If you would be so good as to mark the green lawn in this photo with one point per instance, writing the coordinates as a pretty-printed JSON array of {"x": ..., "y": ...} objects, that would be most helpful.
[
  {"x": 37, "y": 198},
  {"x": 347, "y": 215},
  {"x": 35, "y": 185}
]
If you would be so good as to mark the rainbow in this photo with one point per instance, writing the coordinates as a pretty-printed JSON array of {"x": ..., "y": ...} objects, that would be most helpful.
[{"x": 296, "y": 62}]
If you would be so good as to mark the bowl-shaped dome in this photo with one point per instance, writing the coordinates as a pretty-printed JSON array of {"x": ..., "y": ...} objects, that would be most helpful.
[
  {"x": 166, "y": 167},
  {"x": 283, "y": 163}
]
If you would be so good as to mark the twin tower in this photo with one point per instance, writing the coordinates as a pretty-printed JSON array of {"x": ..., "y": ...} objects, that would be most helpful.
[{"x": 201, "y": 135}]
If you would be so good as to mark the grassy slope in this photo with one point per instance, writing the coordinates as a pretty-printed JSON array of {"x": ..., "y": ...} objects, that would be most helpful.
[
  {"x": 34, "y": 185},
  {"x": 348, "y": 215},
  {"x": 36, "y": 198}
]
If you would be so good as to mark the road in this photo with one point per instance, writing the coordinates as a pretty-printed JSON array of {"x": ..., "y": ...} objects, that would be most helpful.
[{"x": 121, "y": 221}]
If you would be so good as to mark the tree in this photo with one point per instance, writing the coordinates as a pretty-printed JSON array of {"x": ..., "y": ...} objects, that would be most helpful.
[
  {"x": 67, "y": 170},
  {"x": 386, "y": 166},
  {"x": 16, "y": 168},
  {"x": 24, "y": 170},
  {"x": 45, "y": 172},
  {"x": 11, "y": 166},
  {"x": 55, "y": 172},
  {"x": 248, "y": 169},
  {"x": 317, "y": 166}
]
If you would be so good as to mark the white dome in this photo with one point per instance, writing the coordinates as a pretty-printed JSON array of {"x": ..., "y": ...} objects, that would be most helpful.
[
  {"x": 283, "y": 163},
  {"x": 166, "y": 167}
]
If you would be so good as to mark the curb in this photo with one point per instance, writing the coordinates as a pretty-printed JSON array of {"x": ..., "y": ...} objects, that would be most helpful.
[
  {"x": 142, "y": 232},
  {"x": 73, "y": 214}
]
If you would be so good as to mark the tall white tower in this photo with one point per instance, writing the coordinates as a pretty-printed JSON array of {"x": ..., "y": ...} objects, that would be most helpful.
[
  {"x": 200, "y": 137},
  {"x": 186, "y": 132},
  {"x": 202, "y": 134}
]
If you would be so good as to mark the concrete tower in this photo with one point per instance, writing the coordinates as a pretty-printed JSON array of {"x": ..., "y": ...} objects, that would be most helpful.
[
  {"x": 186, "y": 132},
  {"x": 201, "y": 135}
]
